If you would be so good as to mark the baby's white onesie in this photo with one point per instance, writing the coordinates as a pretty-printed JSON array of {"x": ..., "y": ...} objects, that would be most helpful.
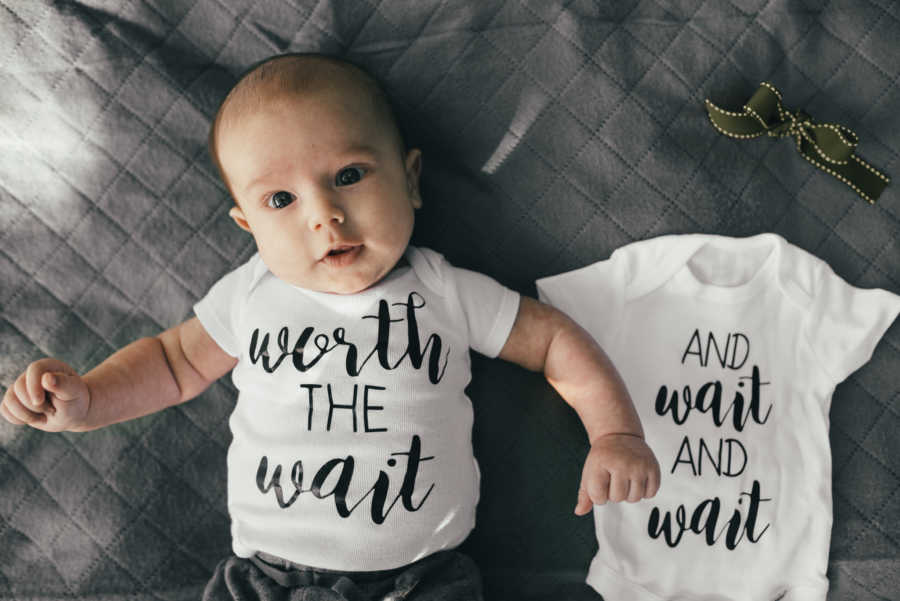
[
  {"x": 352, "y": 433},
  {"x": 731, "y": 349}
]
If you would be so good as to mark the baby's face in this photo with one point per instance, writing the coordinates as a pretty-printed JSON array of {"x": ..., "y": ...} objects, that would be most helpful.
[{"x": 323, "y": 188}]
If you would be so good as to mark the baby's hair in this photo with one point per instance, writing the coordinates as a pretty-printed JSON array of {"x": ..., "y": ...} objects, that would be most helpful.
[{"x": 297, "y": 73}]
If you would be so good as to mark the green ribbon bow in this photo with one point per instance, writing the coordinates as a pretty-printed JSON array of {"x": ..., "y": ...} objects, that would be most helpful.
[{"x": 827, "y": 146}]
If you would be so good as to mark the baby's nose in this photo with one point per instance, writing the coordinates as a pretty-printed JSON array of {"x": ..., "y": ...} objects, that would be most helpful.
[{"x": 324, "y": 211}]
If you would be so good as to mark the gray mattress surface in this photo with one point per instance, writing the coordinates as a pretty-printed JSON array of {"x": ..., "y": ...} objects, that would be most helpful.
[{"x": 552, "y": 133}]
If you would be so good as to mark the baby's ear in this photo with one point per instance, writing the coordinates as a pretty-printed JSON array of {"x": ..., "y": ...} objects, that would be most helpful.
[
  {"x": 238, "y": 215},
  {"x": 413, "y": 171}
]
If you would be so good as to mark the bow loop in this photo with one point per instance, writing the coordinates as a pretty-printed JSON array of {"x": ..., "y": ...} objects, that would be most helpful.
[
  {"x": 835, "y": 144},
  {"x": 828, "y": 146},
  {"x": 765, "y": 106}
]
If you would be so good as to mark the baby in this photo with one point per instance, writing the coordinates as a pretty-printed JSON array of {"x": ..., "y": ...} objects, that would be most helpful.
[{"x": 351, "y": 463}]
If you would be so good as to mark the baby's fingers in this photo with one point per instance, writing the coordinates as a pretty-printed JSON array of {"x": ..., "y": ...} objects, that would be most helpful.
[
  {"x": 32, "y": 393},
  {"x": 644, "y": 486},
  {"x": 24, "y": 398},
  {"x": 597, "y": 486},
  {"x": 64, "y": 387},
  {"x": 637, "y": 490},
  {"x": 15, "y": 412},
  {"x": 584, "y": 502},
  {"x": 618, "y": 488},
  {"x": 652, "y": 484},
  {"x": 5, "y": 414}
]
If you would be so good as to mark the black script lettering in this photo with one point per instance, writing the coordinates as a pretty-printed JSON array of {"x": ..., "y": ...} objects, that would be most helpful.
[
  {"x": 415, "y": 351},
  {"x": 709, "y": 400},
  {"x": 340, "y": 487},
  {"x": 275, "y": 482},
  {"x": 654, "y": 528},
  {"x": 384, "y": 334},
  {"x": 754, "y": 398},
  {"x": 414, "y": 457},
  {"x": 332, "y": 406},
  {"x": 379, "y": 490},
  {"x": 350, "y": 364},
  {"x": 695, "y": 337},
  {"x": 704, "y": 450},
  {"x": 704, "y": 519},
  {"x": 260, "y": 352},
  {"x": 753, "y": 511},
  {"x": 729, "y": 469},
  {"x": 297, "y": 355},
  {"x": 666, "y": 404},
  {"x": 732, "y": 343},
  {"x": 417, "y": 354},
  {"x": 737, "y": 337},
  {"x": 707, "y": 526},
  {"x": 734, "y": 450},
  {"x": 367, "y": 407},
  {"x": 309, "y": 413},
  {"x": 685, "y": 446},
  {"x": 715, "y": 403},
  {"x": 346, "y": 465}
]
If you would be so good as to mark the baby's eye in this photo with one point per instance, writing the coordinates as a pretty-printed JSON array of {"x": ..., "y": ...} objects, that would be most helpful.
[
  {"x": 349, "y": 176},
  {"x": 280, "y": 199}
]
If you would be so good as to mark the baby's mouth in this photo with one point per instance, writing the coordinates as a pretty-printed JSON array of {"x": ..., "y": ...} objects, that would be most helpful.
[{"x": 342, "y": 255}]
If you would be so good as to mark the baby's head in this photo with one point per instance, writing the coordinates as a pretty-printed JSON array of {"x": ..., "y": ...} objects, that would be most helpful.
[{"x": 311, "y": 153}]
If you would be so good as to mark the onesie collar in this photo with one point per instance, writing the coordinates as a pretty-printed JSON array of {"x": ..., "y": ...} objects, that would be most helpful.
[{"x": 721, "y": 253}]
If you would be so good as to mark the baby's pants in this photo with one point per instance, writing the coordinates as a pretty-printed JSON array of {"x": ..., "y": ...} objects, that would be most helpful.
[{"x": 444, "y": 576}]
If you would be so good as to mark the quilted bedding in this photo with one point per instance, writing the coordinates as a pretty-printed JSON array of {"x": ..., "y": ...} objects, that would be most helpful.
[{"x": 552, "y": 132}]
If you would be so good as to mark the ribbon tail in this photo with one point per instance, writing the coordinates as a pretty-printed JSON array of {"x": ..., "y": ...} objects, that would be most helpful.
[
  {"x": 735, "y": 125},
  {"x": 864, "y": 179}
]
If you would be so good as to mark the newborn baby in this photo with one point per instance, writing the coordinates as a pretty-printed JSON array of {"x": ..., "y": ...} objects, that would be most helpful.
[{"x": 351, "y": 465}]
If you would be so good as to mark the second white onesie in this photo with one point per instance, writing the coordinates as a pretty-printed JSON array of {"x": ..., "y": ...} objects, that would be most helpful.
[{"x": 731, "y": 349}]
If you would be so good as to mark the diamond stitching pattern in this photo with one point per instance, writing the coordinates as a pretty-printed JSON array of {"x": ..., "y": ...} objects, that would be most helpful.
[{"x": 145, "y": 93}]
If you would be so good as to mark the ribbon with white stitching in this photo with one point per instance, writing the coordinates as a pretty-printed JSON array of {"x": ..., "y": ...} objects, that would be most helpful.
[{"x": 826, "y": 145}]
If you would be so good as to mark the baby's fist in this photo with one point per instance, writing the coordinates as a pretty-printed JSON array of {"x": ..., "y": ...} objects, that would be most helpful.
[
  {"x": 619, "y": 467},
  {"x": 49, "y": 396}
]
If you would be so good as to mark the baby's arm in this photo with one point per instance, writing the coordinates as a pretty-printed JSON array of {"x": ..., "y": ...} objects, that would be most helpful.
[
  {"x": 148, "y": 375},
  {"x": 620, "y": 466}
]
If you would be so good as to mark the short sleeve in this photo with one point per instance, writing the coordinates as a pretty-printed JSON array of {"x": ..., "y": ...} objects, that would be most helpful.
[
  {"x": 219, "y": 310},
  {"x": 845, "y": 323},
  {"x": 594, "y": 296},
  {"x": 489, "y": 307}
]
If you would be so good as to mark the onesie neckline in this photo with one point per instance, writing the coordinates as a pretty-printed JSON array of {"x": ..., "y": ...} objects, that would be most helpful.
[{"x": 686, "y": 280}]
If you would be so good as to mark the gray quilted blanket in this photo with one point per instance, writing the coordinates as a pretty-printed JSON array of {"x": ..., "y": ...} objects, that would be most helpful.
[{"x": 552, "y": 132}]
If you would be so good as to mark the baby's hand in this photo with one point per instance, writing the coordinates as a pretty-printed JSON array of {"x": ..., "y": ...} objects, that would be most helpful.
[
  {"x": 49, "y": 396},
  {"x": 619, "y": 467}
]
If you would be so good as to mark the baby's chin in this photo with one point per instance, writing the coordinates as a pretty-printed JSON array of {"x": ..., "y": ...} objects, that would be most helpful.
[
  {"x": 366, "y": 271},
  {"x": 348, "y": 287},
  {"x": 351, "y": 284}
]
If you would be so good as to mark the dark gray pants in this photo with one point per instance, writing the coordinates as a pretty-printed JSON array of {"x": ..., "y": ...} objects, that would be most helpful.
[{"x": 444, "y": 576}]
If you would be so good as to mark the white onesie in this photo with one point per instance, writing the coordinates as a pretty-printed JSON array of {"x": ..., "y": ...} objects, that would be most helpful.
[
  {"x": 352, "y": 433},
  {"x": 731, "y": 349}
]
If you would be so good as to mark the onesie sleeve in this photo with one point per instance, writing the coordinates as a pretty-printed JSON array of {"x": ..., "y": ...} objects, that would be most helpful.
[
  {"x": 594, "y": 296},
  {"x": 490, "y": 309},
  {"x": 845, "y": 323},
  {"x": 219, "y": 310}
]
